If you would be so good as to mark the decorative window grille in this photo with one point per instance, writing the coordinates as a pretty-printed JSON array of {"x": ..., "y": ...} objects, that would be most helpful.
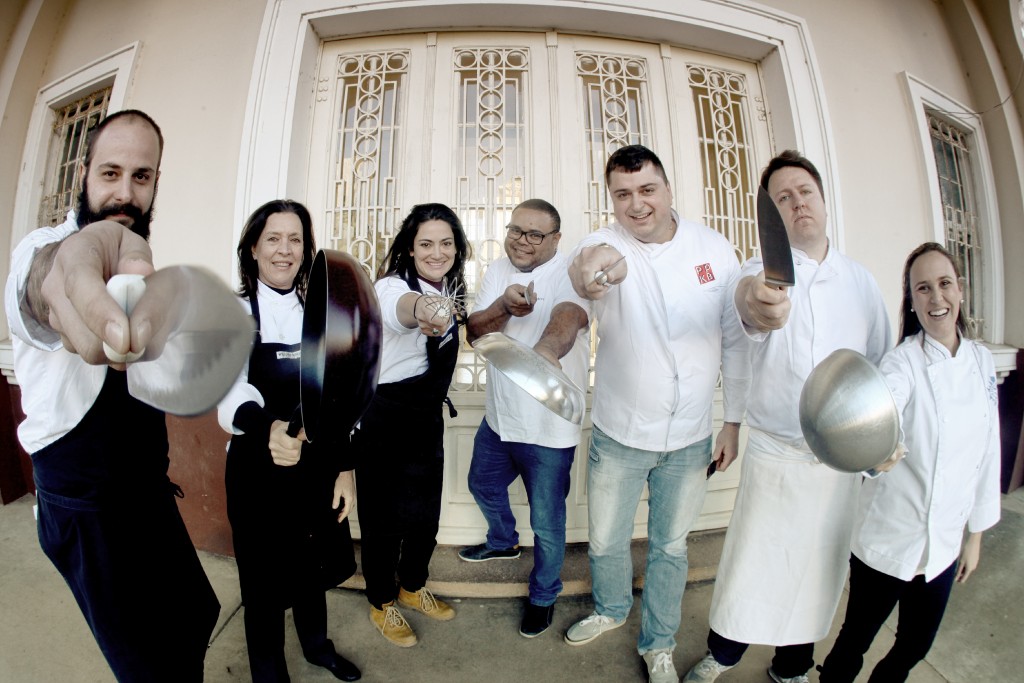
[
  {"x": 491, "y": 161},
  {"x": 71, "y": 126},
  {"x": 371, "y": 89},
  {"x": 721, "y": 102},
  {"x": 616, "y": 113},
  {"x": 952, "y": 149}
]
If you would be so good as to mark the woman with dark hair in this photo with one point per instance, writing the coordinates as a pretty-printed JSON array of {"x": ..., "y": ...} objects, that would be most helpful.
[
  {"x": 399, "y": 441},
  {"x": 288, "y": 501},
  {"x": 908, "y": 544}
]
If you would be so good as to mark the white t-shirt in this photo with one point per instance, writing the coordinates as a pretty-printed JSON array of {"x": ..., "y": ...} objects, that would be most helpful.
[{"x": 511, "y": 412}]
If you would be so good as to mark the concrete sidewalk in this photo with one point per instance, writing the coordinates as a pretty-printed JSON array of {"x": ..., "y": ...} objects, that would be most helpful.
[{"x": 43, "y": 636}]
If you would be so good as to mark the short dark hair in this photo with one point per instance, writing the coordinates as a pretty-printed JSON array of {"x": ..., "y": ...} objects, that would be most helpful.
[
  {"x": 399, "y": 261},
  {"x": 631, "y": 159},
  {"x": 94, "y": 134},
  {"x": 543, "y": 207},
  {"x": 249, "y": 270},
  {"x": 791, "y": 157},
  {"x": 909, "y": 324}
]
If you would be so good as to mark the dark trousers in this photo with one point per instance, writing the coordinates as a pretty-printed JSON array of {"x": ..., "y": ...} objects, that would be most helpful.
[
  {"x": 873, "y": 595},
  {"x": 789, "y": 660},
  {"x": 264, "y": 635},
  {"x": 399, "y": 505}
]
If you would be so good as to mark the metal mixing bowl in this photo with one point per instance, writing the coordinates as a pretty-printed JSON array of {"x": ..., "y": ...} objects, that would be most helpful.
[
  {"x": 529, "y": 370},
  {"x": 847, "y": 413}
]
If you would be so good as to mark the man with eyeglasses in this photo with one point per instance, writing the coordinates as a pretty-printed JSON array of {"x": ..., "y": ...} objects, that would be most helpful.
[{"x": 528, "y": 296}]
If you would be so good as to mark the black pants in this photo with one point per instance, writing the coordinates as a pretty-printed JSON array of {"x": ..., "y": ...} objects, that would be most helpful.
[
  {"x": 264, "y": 635},
  {"x": 789, "y": 661},
  {"x": 873, "y": 595},
  {"x": 399, "y": 509}
]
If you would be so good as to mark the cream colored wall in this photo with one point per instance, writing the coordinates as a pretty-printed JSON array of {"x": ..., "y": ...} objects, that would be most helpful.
[
  {"x": 862, "y": 48},
  {"x": 192, "y": 76}
]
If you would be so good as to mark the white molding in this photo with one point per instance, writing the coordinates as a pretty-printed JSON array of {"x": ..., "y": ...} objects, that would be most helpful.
[
  {"x": 112, "y": 69},
  {"x": 7, "y": 361},
  {"x": 922, "y": 95}
]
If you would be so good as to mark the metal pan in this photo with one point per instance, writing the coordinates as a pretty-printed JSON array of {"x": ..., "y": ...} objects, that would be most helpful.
[
  {"x": 528, "y": 370},
  {"x": 341, "y": 344}
]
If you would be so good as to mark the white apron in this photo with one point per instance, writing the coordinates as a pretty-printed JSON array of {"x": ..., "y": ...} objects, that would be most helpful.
[{"x": 787, "y": 549}]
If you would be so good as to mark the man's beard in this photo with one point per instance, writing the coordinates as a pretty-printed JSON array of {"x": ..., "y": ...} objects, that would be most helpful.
[{"x": 85, "y": 215}]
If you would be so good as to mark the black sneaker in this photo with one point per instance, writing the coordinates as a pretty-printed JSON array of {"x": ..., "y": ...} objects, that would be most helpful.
[
  {"x": 481, "y": 553},
  {"x": 536, "y": 619}
]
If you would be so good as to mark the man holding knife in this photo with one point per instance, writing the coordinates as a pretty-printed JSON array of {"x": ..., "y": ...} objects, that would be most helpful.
[
  {"x": 667, "y": 327},
  {"x": 786, "y": 550},
  {"x": 108, "y": 518}
]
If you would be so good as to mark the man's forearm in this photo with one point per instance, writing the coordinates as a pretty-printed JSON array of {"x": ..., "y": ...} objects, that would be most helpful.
[
  {"x": 33, "y": 304},
  {"x": 567, "y": 319},
  {"x": 491, "y": 319}
]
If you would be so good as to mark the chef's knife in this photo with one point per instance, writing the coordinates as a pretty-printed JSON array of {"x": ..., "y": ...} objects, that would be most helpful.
[
  {"x": 776, "y": 256},
  {"x": 202, "y": 337}
]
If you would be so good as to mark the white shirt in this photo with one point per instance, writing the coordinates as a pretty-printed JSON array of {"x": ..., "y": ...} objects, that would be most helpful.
[
  {"x": 512, "y": 413},
  {"x": 57, "y": 387},
  {"x": 280, "y": 323},
  {"x": 403, "y": 349},
  {"x": 911, "y": 519},
  {"x": 664, "y": 333},
  {"x": 835, "y": 305}
]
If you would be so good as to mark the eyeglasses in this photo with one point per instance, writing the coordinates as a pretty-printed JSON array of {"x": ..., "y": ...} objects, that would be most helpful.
[{"x": 533, "y": 237}]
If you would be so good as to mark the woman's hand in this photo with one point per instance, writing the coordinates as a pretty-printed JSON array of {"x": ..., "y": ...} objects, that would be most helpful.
[
  {"x": 344, "y": 494},
  {"x": 969, "y": 557},
  {"x": 285, "y": 450},
  {"x": 433, "y": 314}
]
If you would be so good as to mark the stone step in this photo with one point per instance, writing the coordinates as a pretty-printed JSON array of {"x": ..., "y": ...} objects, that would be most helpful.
[{"x": 453, "y": 577}]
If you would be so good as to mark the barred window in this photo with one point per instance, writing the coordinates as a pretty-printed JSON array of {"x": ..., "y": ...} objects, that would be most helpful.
[
  {"x": 952, "y": 149},
  {"x": 71, "y": 126}
]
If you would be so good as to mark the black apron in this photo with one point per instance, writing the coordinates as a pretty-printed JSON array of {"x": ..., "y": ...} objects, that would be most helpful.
[
  {"x": 109, "y": 522},
  {"x": 286, "y": 534}
]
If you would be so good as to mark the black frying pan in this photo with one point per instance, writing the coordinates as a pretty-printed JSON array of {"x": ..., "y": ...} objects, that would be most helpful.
[{"x": 341, "y": 339}]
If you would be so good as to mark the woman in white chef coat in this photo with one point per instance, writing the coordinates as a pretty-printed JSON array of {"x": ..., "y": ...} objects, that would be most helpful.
[{"x": 909, "y": 528}]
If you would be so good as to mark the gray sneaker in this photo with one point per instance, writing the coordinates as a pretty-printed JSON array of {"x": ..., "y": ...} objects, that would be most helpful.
[
  {"x": 802, "y": 678},
  {"x": 706, "y": 670},
  {"x": 660, "y": 668},
  {"x": 587, "y": 629}
]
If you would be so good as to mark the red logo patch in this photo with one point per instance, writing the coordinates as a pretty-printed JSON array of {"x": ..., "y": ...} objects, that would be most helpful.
[{"x": 704, "y": 273}]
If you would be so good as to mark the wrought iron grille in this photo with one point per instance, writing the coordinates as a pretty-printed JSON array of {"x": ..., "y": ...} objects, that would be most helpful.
[
  {"x": 952, "y": 149},
  {"x": 616, "y": 113},
  {"x": 722, "y": 105},
  {"x": 364, "y": 210},
  {"x": 66, "y": 153}
]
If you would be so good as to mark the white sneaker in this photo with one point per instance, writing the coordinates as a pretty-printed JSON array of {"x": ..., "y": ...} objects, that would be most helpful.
[
  {"x": 802, "y": 678},
  {"x": 660, "y": 668},
  {"x": 586, "y": 630},
  {"x": 706, "y": 670}
]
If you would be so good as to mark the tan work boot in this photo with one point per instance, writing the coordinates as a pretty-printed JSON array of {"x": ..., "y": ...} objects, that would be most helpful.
[
  {"x": 392, "y": 625},
  {"x": 424, "y": 601}
]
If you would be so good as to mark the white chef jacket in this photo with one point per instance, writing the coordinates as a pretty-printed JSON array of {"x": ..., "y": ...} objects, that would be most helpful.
[
  {"x": 835, "y": 305},
  {"x": 403, "y": 349},
  {"x": 911, "y": 519},
  {"x": 280, "y": 323},
  {"x": 512, "y": 413},
  {"x": 57, "y": 387},
  {"x": 664, "y": 333},
  {"x": 786, "y": 552}
]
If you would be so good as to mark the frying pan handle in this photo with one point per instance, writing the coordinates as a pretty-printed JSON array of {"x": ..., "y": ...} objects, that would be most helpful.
[{"x": 295, "y": 425}]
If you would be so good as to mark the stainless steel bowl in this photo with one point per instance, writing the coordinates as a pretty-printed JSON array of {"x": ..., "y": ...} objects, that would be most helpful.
[
  {"x": 529, "y": 370},
  {"x": 847, "y": 413}
]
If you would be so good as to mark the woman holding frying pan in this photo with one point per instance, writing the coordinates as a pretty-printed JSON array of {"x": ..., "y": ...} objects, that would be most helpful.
[
  {"x": 288, "y": 500},
  {"x": 399, "y": 442}
]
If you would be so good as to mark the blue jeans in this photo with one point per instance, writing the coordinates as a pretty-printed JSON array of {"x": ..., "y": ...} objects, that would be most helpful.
[
  {"x": 545, "y": 472},
  {"x": 677, "y": 481}
]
